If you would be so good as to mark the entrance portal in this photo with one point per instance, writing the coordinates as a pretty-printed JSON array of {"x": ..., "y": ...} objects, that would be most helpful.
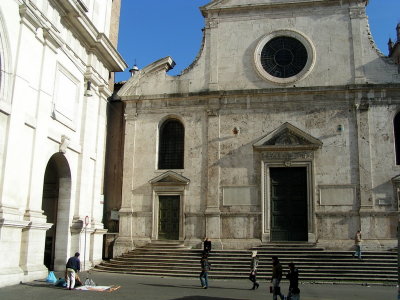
[
  {"x": 56, "y": 194},
  {"x": 168, "y": 224},
  {"x": 289, "y": 204}
]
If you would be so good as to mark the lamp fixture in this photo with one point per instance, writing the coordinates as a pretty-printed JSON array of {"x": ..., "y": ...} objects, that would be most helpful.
[{"x": 88, "y": 91}]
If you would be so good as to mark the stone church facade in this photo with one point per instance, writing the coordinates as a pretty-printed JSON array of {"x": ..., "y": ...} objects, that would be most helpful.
[
  {"x": 282, "y": 130},
  {"x": 56, "y": 59}
]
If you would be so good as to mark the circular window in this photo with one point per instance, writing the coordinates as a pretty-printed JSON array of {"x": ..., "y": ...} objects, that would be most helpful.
[{"x": 284, "y": 56}]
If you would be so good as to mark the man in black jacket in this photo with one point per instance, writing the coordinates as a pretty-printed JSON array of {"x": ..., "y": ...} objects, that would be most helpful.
[
  {"x": 73, "y": 266},
  {"x": 207, "y": 246},
  {"x": 293, "y": 276}
]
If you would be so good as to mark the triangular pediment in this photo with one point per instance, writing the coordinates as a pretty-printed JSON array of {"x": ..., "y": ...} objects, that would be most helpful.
[
  {"x": 287, "y": 137},
  {"x": 396, "y": 179},
  {"x": 170, "y": 178}
]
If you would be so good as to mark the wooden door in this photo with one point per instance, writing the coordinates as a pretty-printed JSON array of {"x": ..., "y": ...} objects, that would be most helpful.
[
  {"x": 289, "y": 204},
  {"x": 168, "y": 225}
]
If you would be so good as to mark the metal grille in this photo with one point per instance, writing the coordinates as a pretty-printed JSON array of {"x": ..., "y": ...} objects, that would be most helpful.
[
  {"x": 284, "y": 57},
  {"x": 171, "y": 149}
]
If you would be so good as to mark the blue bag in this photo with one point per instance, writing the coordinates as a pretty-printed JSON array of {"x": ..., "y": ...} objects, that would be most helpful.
[{"x": 51, "y": 277}]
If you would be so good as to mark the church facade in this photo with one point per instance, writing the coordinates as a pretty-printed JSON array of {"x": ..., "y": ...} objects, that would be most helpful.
[
  {"x": 56, "y": 59},
  {"x": 282, "y": 130}
]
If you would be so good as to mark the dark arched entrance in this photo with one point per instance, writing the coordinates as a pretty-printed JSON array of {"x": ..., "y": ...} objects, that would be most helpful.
[{"x": 55, "y": 204}]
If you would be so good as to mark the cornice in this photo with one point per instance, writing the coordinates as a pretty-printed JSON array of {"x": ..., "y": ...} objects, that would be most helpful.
[
  {"x": 13, "y": 223},
  {"x": 352, "y": 92},
  {"x": 218, "y": 6},
  {"x": 75, "y": 17},
  {"x": 83, "y": 27},
  {"x": 29, "y": 18}
]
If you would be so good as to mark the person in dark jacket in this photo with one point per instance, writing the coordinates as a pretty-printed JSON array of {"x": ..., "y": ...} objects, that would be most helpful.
[
  {"x": 276, "y": 278},
  {"x": 73, "y": 266},
  {"x": 206, "y": 246},
  {"x": 205, "y": 267},
  {"x": 293, "y": 276}
]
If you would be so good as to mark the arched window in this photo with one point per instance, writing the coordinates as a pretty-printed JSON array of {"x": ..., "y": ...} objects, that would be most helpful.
[
  {"x": 171, "y": 145},
  {"x": 396, "y": 126}
]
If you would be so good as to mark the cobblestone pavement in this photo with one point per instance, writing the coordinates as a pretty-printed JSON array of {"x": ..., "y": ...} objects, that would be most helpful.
[{"x": 160, "y": 288}]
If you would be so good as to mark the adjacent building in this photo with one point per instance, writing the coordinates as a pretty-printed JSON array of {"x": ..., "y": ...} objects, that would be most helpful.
[
  {"x": 57, "y": 60},
  {"x": 284, "y": 129}
]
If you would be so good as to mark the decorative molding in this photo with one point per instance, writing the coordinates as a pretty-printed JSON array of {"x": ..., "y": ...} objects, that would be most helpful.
[
  {"x": 65, "y": 140},
  {"x": 343, "y": 195},
  {"x": 39, "y": 226},
  {"x": 65, "y": 106},
  {"x": 13, "y": 223},
  {"x": 288, "y": 137},
  {"x": 51, "y": 39},
  {"x": 194, "y": 214},
  {"x": 357, "y": 13},
  {"x": 212, "y": 23},
  {"x": 212, "y": 112},
  {"x": 353, "y": 213},
  {"x": 240, "y": 214},
  {"x": 339, "y": 214},
  {"x": 220, "y": 6},
  {"x": 169, "y": 178},
  {"x": 29, "y": 18},
  {"x": 287, "y": 156}
]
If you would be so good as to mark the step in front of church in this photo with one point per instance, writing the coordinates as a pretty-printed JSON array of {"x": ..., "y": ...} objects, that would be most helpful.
[{"x": 315, "y": 264}]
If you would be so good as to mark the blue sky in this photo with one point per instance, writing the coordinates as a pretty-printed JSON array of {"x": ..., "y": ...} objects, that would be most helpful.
[{"x": 152, "y": 29}]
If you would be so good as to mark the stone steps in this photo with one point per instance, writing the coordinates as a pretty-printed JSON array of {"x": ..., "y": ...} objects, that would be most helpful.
[{"x": 315, "y": 264}]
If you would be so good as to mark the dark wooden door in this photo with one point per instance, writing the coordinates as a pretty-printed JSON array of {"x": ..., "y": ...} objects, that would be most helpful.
[
  {"x": 168, "y": 224},
  {"x": 289, "y": 204}
]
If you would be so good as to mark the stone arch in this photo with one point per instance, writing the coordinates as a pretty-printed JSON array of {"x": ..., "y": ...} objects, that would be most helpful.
[
  {"x": 5, "y": 62},
  {"x": 56, "y": 203}
]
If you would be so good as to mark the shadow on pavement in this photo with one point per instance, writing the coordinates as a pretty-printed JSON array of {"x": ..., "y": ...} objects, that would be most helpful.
[
  {"x": 40, "y": 283},
  {"x": 203, "y": 298},
  {"x": 194, "y": 287}
]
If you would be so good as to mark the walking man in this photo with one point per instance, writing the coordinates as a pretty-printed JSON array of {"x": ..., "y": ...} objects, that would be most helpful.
[
  {"x": 73, "y": 266},
  {"x": 293, "y": 276},
  {"x": 276, "y": 278},
  {"x": 205, "y": 267}
]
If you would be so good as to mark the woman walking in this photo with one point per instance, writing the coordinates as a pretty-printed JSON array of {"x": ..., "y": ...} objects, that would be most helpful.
[{"x": 253, "y": 270}]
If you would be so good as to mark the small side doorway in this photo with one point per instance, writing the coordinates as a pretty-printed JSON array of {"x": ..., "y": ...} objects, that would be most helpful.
[
  {"x": 289, "y": 204},
  {"x": 168, "y": 223}
]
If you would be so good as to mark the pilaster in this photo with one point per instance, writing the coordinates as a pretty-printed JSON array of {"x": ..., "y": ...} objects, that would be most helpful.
[
  {"x": 357, "y": 16},
  {"x": 124, "y": 241},
  {"x": 364, "y": 167},
  {"x": 212, "y": 212}
]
